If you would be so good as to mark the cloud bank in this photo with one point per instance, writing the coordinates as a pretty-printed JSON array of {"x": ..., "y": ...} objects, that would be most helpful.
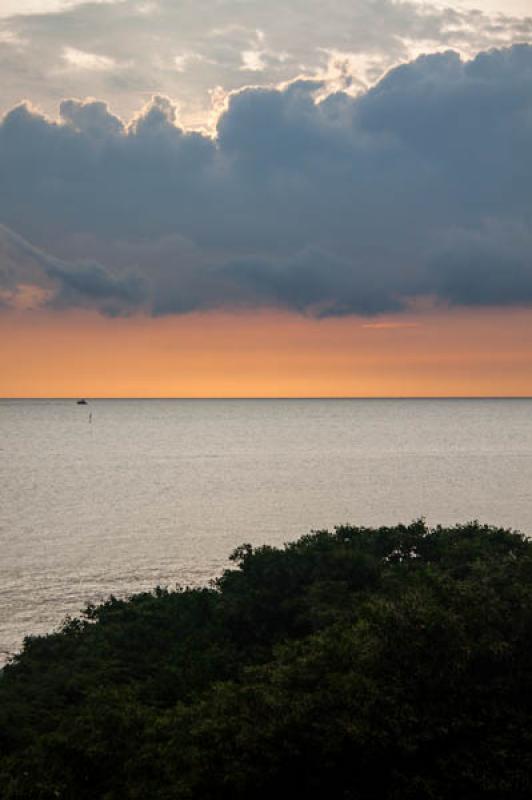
[{"x": 305, "y": 199}]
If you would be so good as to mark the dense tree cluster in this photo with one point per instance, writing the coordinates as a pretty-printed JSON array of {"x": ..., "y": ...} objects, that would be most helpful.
[{"x": 354, "y": 665}]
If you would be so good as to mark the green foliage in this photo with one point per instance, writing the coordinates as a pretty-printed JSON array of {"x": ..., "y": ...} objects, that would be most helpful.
[{"x": 386, "y": 664}]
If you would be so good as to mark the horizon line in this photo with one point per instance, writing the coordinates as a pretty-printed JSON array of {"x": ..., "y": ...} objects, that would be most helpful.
[{"x": 273, "y": 397}]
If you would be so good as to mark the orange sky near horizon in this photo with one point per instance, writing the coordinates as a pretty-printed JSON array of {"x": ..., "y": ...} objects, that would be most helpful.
[{"x": 266, "y": 354}]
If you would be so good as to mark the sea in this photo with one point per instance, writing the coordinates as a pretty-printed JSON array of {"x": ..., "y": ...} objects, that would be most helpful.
[{"x": 120, "y": 496}]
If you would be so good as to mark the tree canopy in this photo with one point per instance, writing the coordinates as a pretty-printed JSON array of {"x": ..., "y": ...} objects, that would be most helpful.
[{"x": 359, "y": 664}]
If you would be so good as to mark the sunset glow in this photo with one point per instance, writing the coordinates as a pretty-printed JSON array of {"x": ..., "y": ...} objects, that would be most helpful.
[{"x": 266, "y": 355}]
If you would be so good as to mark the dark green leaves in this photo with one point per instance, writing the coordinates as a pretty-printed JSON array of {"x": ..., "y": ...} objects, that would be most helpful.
[{"x": 360, "y": 664}]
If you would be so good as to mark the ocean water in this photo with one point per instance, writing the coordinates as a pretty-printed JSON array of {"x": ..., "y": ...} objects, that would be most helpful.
[{"x": 161, "y": 491}]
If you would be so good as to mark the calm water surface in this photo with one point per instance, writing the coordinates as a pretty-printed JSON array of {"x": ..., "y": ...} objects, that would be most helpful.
[{"x": 160, "y": 491}]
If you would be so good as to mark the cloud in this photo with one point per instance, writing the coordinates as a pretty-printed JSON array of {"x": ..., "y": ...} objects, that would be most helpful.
[
  {"x": 318, "y": 202},
  {"x": 253, "y": 61},
  {"x": 90, "y": 117},
  {"x": 83, "y": 283},
  {"x": 125, "y": 51},
  {"x": 487, "y": 266},
  {"x": 79, "y": 59}
]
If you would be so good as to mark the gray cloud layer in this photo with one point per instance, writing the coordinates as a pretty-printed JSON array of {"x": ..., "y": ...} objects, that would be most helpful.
[
  {"x": 81, "y": 283},
  {"x": 339, "y": 205}
]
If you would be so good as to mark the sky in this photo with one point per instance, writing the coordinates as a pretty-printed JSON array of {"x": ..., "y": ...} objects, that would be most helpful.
[{"x": 230, "y": 198}]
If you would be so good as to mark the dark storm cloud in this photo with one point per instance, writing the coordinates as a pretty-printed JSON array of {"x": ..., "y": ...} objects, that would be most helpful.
[
  {"x": 82, "y": 283},
  {"x": 419, "y": 186},
  {"x": 490, "y": 266},
  {"x": 89, "y": 281}
]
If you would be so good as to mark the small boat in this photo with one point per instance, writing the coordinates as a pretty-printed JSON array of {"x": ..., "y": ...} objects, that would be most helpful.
[{"x": 82, "y": 402}]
